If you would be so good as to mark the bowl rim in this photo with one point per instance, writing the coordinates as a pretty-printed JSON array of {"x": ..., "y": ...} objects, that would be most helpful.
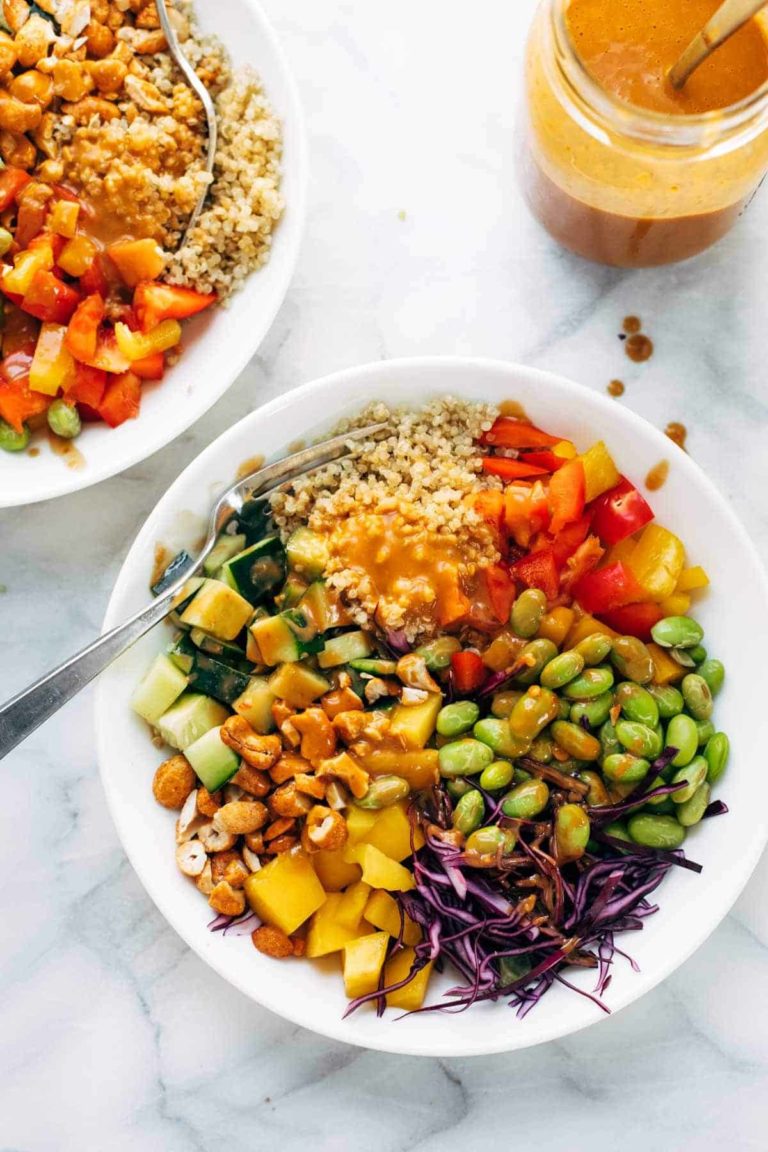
[
  {"x": 730, "y": 886},
  {"x": 198, "y": 404}
]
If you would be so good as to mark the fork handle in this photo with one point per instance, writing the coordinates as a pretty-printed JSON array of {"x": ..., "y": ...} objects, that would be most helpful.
[{"x": 20, "y": 716}]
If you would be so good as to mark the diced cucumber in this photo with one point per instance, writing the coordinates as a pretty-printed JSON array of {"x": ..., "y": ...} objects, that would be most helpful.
[
  {"x": 213, "y": 761},
  {"x": 375, "y": 667},
  {"x": 183, "y": 598},
  {"x": 190, "y": 718},
  {"x": 224, "y": 549},
  {"x": 216, "y": 679},
  {"x": 276, "y": 642},
  {"x": 162, "y": 684},
  {"x": 183, "y": 653},
  {"x": 305, "y": 631},
  {"x": 323, "y": 605},
  {"x": 258, "y": 570},
  {"x": 230, "y": 653},
  {"x": 344, "y": 649},
  {"x": 175, "y": 569},
  {"x": 307, "y": 553},
  {"x": 291, "y": 592},
  {"x": 298, "y": 685},
  {"x": 254, "y": 519},
  {"x": 219, "y": 610},
  {"x": 255, "y": 705}
]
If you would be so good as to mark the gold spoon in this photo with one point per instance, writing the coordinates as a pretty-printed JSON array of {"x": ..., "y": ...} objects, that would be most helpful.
[{"x": 729, "y": 17}]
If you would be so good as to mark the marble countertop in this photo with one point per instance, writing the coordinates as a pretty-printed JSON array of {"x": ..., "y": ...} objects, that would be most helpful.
[{"x": 113, "y": 1036}]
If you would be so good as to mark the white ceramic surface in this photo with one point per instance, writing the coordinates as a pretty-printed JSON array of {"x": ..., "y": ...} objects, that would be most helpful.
[
  {"x": 218, "y": 345},
  {"x": 728, "y": 847}
]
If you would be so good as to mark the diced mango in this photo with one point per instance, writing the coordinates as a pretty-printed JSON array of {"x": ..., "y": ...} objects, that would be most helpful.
[
  {"x": 363, "y": 961},
  {"x": 17, "y": 280},
  {"x": 333, "y": 871},
  {"x": 360, "y": 822},
  {"x": 53, "y": 365},
  {"x": 77, "y": 256},
  {"x": 286, "y": 891},
  {"x": 658, "y": 561},
  {"x": 415, "y": 724},
  {"x": 391, "y": 832},
  {"x": 326, "y": 932},
  {"x": 419, "y": 768},
  {"x": 137, "y": 260},
  {"x": 63, "y": 218},
  {"x": 378, "y": 870},
  {"x": 352, "y": 904},
  {"x": 411, "y": 996},
  {"x": 218, "y": 609},
  {"x": 556, "y": 625},
  {"x": 665, "y": 669},
  {"x": 600, "y": 472},
  {"x": 565, "y": 450},
  {"x": 692, "y": 579},
  {"x": 678, "y": 604},
  {"x": 383, "y": 912},
  {"x": 586, "y": 626}
]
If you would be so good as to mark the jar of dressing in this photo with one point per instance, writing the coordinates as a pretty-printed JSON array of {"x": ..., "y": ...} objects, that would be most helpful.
[{"x": 618, "y": 166}]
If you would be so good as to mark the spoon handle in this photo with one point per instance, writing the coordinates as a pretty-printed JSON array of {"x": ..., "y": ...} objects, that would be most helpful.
[{"x": 729, "y": 17}]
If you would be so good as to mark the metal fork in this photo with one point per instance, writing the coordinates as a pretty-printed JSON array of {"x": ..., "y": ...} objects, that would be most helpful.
[{"x": 29, "y": 709}]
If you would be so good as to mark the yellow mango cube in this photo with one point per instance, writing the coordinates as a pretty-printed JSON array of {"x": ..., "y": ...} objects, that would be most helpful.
[
  {"x": 63, "y": 218},
  {"x": 333, "y": 871},
  {"x": 692, "y": 579},
  {"x": 383, "y": 912},
  {"x": 363, "y": 960},
  {"x": 53, "y": 364},
  {"x": 352, "y": 904},
  {"x": 360, "y": 822},
  {"x": 391, "y": 832},
  {"x": 556, "y": 625},
  {"x": 665, "y": 669},
  {"x": 218, "y": 609},
  {"x": 327, "y": 933},
  {"x": 658, "y": 561},
  {"x": 415, "y": 723},
  {"x": 419, "y": 767},
  {"x": 565, "y": 450},
  {"x": 378, "y": 870},
  {"x": 410, "y": 996},
  {"x": 600, "y": 472},
  {"x": 285, "y": 892}
]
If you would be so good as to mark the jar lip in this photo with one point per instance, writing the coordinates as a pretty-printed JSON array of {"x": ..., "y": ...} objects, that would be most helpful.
[{"x": 644, "y": 123}]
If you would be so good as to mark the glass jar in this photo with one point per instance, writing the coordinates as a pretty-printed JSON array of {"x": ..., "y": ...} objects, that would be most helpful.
[{"x": 625, "y": 186}]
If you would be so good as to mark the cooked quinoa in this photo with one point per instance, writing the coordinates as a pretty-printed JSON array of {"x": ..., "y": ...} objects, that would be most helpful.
[{"x": 410, "y": 486}]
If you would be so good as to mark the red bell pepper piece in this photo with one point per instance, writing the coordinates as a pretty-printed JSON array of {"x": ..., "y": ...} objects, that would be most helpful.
[
  {"x": 87, "y": 387},
  {"x": 608, "y": 588},
  {"x": 122, "y": 399},
  {"x": 17, "y": 403},
  {"x": 12, "y": 180},
  {"x": 150, "y": 367},
  {"x": 490, "y": 505},
  {"x": 468, "y": 671},
  {"x": 545, "y": 459},
  {"x": 509, "y": 469},
  {"x": 501, "y": 591},
  {"x": 83, "y": 329},
  {"x": 526, "y": 511},
  {"x": 621, "y": 512},
  {"x": 634, "y": 619},
  {"x": 567, "y": 490},
  {"x": 510, "y": 433},
  {"x": 156, "y": 302},
  {"x": 569, "y": 538},
  {"x": 94, "y": 280},
  {"x": 30, "y": 220},
  {"x": 538, "y": 570},
  {"x": 20, "y": 334},
  {"x": 49, "y": 299}
]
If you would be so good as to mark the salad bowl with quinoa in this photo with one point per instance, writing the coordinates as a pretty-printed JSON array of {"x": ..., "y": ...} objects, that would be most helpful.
[
  {"x": 115, "y": 334},
  {"x": 445, "y": 751}
]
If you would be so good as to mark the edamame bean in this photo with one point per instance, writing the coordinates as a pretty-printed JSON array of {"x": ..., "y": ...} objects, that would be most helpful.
[
  {"x": 594, "y": 649},
  {"x": 527, "y": 612},
  {"x": 64, "y": 419},
  {"x": 637, "y": 704},
  {"x": 541, "y": 749},
  {"x": 11, "y": 440},
  {"x": 437, "y": 653},
  {"x": 698, "y": 654},
  {"x": 464, "y": 758},
  {"x": 697, "y": 696},
  {"x": 572, "y": 830},
  {"x": 639, "y": 739},
  {"x": 683, "y": 734},
  {"x": 497, "y": 775},
  {"x": 713, "y": 671},
  {"x": 534, "y": 657},
  {"x": 631, "y": 659},
  {"x": 490, "y": 840},
  {"x": 526, "y": 801},
  {"x": 654, "y": 831},
  {"x": 384, "y": 791},
  {"x": 575, "y": 741},
  {"x": 563, "y": 708},
  {"x": 456, "y": 719},
  {"x": 677, "y": 632},
  {"x": 716, "y": 754},
  {"x": 609, "y": 739},
  {"x": 598, "y": 793},
  {"x": 469, "y": 813},
  {"x": 670, "y": 702},
  {"x": 512, "y": 968},
  {"x": 521, "y": 776},
  {"x": 503, "y": 703},
  {"x": 533, "y": 711},
  {"x": 563, "y": 668},
  {"x": 706, "y": 731},
  {"x": 692, "y": 811},
  {"x": 459, "y": 787},
  {"x": 618, "y": 830},
  {"x": 592, "y": 682},
  {"x": 694, "y": 774},
  {"x": 662, "y": 806},
  {"x": 595, "y": 712},
  {"x": 624, "y": 768},
  {"x": 500, "y": 738}
]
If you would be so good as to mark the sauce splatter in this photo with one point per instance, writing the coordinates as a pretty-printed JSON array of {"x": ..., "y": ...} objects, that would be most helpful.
[
  {"x": 33, "y": 451},
  {"x": 515, "y": 410},
  {"x": 162, "y": 559},
  {"x": 72, "y": 455},
  {"x": 677, "y": 433},
  {"x": 252, "y": 464},
  {"x": 632, "y": 325},
  {"x": 639, "y": 348},
  {"x": 616, "y": 388},
  {"x": 657, "y": 476}
]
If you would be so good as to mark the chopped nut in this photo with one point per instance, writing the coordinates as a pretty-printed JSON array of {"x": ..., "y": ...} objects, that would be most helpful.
[
  {"x": 173, "y": 782},
  {"x": 324, "y": 829},
  {"x": 191, "y": 858},
  {"x": 148, "y": 17},
  {"x": 204, "y": 882},
  {"x": 411, "y": 696},
  {"x": 240, "y": 816},
  {"x": 344, "y": 768},
  {"x": 208, "y": 803},
  {"x": 278, "y": 827},
  {"x": 310, "y": 785},
  {"x": 231, "y": 792},
  {"x": 340, "y": 700},
  {"x": 282, "y": 712},
  {"x": 251, "y": 859},
  {"x": 377, "y": 689},
  {"x": 288, "y": 801},
  {"x": 101, "y": 40},
  {"x": 226, "y": 900},
  {"x": 214, "y": 840},
  {"x": 272, "y": 942},
  {"x": 281, "y": 844},
  {"x": 145, "y": 94},
  {"x": 189, "y": 820},
  {"x": 251, "y": 780},
  {"x": 70, "y": 80},
  {"x": 318, "y": 739},
  {"x": 288, "y": 766},
  {"x": 413, "y": 672},
  {"x": 259, "y": 751},
  {"x": 145, "y": 42},
  {"x": 108, "y": 75},
  {"x": 299, "y": 945},
  {"x": 16, "y": 13},
  {"x": 254, "y": 841},
  {"x": 84, "y": 110},
  {"x": 229, "y": 866}
]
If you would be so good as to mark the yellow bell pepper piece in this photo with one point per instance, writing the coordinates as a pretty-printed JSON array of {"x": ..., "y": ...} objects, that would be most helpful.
[
  {"x": 692, "y": 579},
  {"x": 378, "y": 870},
  {"x": 620, "y": 553},
  {"x": 600, "y": 472},
  {"x": 565, "y": 450},
  {"x": 333, "y": 871},
  {"x": 678, "y": 604},
  {"x": 63, "y": 218},
  {"x": 352, "y": 904},
  {"x": 25, "y": 265},
  {"x": 286, "y": 891},
  {"x": 411, "y": 996},
  {"x": 586, "y": 626},
  {"x": 363, "y": 960},
  {"x": 419, "y": 768},
  {"x": 77, "y": 256},
  {"x": 326, "y": 932},
  {"x": 137, "y": 345},
  {"x": 665, "y": 669},
  {"x": 556, "y": 625},
  {"x": 53, "y": 364},
  {"x": 657, "y": 561},
  {"x": 414, "y": 724},
  {"x": 137, "y": 260},
  {"x": 383, "y": 912}
]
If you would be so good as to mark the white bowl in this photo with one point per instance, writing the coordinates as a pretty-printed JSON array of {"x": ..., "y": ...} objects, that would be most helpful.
[
  {"x": 729, "y": 846},
  {"x": 217, "y": 345}
]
